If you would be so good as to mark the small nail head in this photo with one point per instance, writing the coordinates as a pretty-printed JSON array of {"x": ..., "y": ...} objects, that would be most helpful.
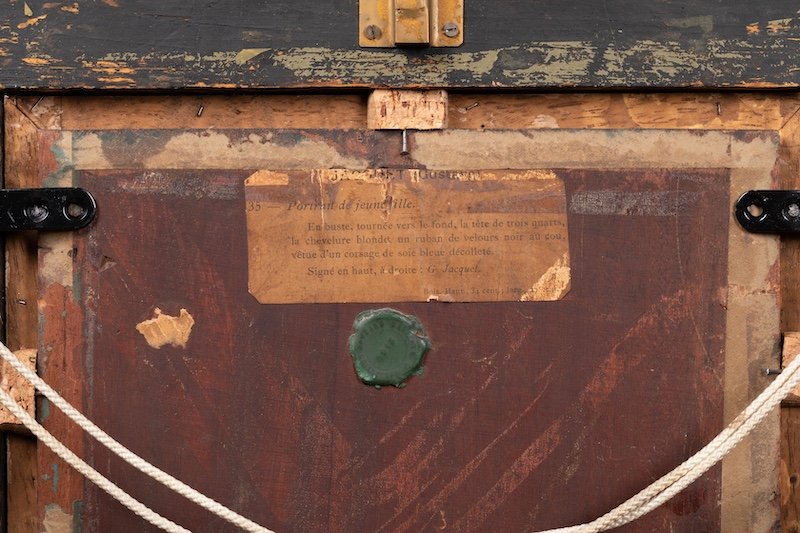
[
  {"x": 450, "y": 29},
  {"x": 372, "y": 32}
]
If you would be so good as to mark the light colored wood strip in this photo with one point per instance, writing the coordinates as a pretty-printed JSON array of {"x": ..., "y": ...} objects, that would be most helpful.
[{"x": 407, "y": 110}]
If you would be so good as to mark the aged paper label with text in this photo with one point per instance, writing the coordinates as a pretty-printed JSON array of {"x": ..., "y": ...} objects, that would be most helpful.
[{"x": 389, "y": 235}]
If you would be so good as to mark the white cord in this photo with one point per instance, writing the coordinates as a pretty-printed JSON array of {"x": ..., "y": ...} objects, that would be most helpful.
[
  {"x": 125, "y": 454},
  {"x": 648, "y": 499},
  {"x": 91, "y": 474},
  {"x": 681, "y": 477}
]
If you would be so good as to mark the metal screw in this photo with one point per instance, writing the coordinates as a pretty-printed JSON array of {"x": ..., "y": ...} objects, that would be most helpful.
[
  {"x": 36, "y": 213},
  {"x": 450, "y": 29},
  {"x": 372, "y": 32},
  {"x": 75, "y": 211},
  {"x": 404, "y": 147},
  {"x": 772, "y": 371},
  {"x": 793, "y": 210}
]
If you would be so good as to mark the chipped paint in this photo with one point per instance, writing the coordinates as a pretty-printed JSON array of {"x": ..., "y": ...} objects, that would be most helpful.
[
  {"x": 247, "y": 54},
  {"x": 31, "y": 22},
  {"x": 27, "y": 9},
  {"x": 779, "y": 25},
  {"x": 108, "y": 67},
  {"x": 553, "y": 284},
  {"x": 56, "y": 520},
  {"x": 36, "y": 60},
  {"x": 73, "y": 8},
  {"x": 117, "y": 80},
  {"x": 534, "y": 64},
  {"x": 165, "y": 329}
]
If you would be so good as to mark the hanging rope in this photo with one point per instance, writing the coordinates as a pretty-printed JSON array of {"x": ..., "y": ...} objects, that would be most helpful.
[
  {"x": 648, "y": 499},
  {"x": 681, "y": 477},
  {"x": 91, "y": 474},
  {"x": 125, "y": 454}
]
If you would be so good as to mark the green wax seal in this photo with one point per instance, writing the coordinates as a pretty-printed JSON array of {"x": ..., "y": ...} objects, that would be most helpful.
[{"x": 387, "y": 347}]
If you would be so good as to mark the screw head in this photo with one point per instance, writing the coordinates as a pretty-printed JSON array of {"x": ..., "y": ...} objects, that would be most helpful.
[
  {"x": 372, "y": 32},
  {"x": 37, "y": 213},
  {"x": 450, "y": 29}
]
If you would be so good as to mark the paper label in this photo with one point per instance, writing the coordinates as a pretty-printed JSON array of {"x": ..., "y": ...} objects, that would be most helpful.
[{"x": 389, "y": 235}]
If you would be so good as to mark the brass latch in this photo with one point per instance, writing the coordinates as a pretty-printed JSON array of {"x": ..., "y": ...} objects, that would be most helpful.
[{"x": 389, "y": 23}]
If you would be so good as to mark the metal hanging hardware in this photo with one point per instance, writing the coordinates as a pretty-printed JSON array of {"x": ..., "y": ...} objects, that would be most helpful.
[
  {"x": 390, "y": 23},
  {"x": 50, "y": 209}
]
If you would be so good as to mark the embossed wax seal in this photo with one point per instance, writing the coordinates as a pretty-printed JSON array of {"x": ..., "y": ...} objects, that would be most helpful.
[{"x": 387, "y": 347}]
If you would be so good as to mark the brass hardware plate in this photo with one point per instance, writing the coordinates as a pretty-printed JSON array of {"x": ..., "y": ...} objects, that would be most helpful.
[{"x": 390, "y": 23}]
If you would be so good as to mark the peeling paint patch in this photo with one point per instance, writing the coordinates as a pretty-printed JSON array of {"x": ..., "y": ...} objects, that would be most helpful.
[
  {"x": 73, "y": 8},
  {"x": 541, "y": 64},
  {"x": 56, "y": 520},
  {"x": 247, "y": 54},
  {"x": 36, "y": 60},
  {"x": 31, "y": 22},
  {"x": 553, "y": 284},
  {"x": 165, "y": 329}
]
